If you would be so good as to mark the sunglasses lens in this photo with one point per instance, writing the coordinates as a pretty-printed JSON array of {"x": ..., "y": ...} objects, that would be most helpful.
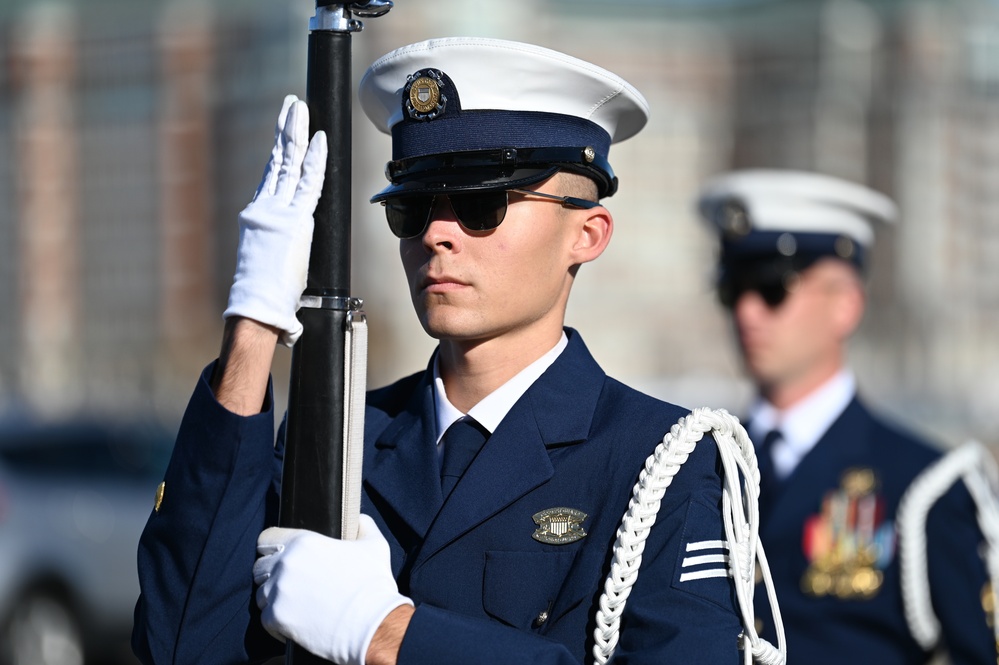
[
  {"x": 773, "y": 294},
  {"x": 728, "y": 293},
  {"x": 479, "y": 211},
  {"x": 408, "y": 217},
  {"x": 731, "y": 290}
]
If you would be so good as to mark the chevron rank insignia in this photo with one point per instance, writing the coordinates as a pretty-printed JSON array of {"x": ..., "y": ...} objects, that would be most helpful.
[
  {"x": 704, "y": 559},
  {"x": 559, "y": 526}
]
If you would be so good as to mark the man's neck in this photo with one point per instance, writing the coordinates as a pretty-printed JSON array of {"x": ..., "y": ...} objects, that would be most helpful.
[
  {"x": 471, "y": 370},
  {"x": 785, "y": 394}
]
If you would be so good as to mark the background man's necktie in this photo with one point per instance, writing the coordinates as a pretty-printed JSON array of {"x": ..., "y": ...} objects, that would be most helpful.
[{"x": 769, "y": 481}]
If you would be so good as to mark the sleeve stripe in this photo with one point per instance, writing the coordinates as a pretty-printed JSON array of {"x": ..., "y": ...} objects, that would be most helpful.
[
  {"x": 706, "y": 558},
  {"x": 707, "y": 545},
  {"x": 703, "y": 574}
]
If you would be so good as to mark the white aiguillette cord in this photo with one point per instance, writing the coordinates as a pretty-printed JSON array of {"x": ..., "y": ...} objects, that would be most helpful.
[
  {"x": 976, "y": 466},
  {"x": 355, "y": 374},
  {"x": 740, "y": 514}
]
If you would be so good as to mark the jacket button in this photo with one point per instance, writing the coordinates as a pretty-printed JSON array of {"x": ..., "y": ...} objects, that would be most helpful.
[{"x": 541, "y": 618}]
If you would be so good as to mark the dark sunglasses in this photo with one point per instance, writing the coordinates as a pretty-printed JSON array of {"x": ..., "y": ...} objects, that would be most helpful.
[
  {"x": 772, "y": 289},
  {"x": 409, "y": 216}
]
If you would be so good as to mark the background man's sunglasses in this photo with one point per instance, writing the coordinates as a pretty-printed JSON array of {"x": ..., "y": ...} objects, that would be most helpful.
[
  {"x": 773, "y": 290},
  {"x": 408, "y": 216}
]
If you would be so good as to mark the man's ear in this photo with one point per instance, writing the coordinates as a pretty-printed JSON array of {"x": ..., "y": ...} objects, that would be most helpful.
[
  {"x": 852, "y": 301},
  {"x": 593, "y": 235}
]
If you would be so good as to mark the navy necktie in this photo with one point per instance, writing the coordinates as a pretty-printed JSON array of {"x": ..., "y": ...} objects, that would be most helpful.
[
  {"x": 462, "y": 442},
  {"x": 769, "y": 481}
]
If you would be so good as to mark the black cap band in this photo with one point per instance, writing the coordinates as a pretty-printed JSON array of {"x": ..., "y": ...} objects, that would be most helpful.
[{"x": 481, "y": 170}]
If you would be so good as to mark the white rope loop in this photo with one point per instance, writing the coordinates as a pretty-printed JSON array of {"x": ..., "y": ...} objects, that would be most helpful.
[
  {"x": 973, "y": 464},
  {"x": 740, "y": 512}
]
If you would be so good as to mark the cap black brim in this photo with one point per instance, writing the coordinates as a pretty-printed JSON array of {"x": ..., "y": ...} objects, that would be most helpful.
[{"x": 445, "y": 181}]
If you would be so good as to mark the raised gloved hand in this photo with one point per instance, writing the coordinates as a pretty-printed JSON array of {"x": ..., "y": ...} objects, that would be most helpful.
[
  {"x": 275, "y": 229},
  {"x": 326, "y": 595}
]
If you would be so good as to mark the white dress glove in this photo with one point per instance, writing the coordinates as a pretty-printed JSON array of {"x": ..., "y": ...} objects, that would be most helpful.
[
  {"x": 326, "y": 595},
  {"x": 275, "y": 229}
]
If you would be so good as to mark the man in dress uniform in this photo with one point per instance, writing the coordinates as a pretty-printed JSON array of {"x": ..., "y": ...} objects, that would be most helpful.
[
  {"x": 499, "y": 160},
  {"x": 793, "y": 247}
]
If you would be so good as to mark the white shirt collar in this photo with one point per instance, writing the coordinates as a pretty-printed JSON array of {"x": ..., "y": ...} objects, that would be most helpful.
[
  {"x": 491, "y": 410},
  {"x": 805, "y": 423}
]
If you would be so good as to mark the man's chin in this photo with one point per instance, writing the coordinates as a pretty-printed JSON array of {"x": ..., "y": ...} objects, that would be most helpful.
[
  {"x": 760, "y": 372},
  {"x": 441, "y": 329}
]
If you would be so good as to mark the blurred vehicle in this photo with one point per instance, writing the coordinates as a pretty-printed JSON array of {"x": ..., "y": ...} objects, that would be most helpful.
[{"x": 74, "y": 497}]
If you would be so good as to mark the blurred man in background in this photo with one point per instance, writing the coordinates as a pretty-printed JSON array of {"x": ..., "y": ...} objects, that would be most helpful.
[{"x": 793, "y": 247}]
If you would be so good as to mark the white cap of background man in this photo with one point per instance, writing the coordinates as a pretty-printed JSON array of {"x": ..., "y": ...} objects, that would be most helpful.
[{"x": 773, "y": 223}]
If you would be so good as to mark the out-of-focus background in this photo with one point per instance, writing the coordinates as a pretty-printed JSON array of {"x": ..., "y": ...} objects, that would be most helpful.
[{"x": 133, "y": 132}]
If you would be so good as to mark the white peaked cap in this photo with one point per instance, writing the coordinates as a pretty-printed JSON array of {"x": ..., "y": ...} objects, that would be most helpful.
[
  {"x": 796, "y": 202},
  {"x": 497, "y": 74},
  {"x": 514, "y": 113}
]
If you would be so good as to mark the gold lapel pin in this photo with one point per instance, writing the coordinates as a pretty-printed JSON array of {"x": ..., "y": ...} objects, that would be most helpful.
[{"x": 160, "y": 489}]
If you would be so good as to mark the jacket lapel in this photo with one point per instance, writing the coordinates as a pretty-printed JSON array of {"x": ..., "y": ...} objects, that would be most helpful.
[
  {"x": 843, "y": 445},
  {"x": 557, "y": 410},
  {"x": 405, "y": 472}
]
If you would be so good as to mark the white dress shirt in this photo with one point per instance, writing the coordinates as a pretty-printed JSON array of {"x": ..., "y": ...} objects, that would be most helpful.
[
  {"x": 803, "y": 424},
  {"x": 494, "y": 406}
]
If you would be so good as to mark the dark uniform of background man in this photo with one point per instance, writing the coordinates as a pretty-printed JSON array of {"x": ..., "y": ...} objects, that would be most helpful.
[
  {"x": 793, "y": 247},
  {"x": 443, "y": 572}
]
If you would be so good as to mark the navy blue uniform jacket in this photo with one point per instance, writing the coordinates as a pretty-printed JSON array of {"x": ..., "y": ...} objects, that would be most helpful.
[
  {"x": 836, "y": 628},
  {"x": 479, "y": 580}
]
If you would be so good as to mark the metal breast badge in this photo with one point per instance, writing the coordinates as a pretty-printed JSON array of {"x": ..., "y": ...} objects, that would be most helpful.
[{"x": 559, "y": 526}]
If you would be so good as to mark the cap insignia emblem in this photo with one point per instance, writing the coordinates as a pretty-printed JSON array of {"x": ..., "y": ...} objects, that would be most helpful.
[
  {"x": 850, "y": 543},
  {"x": 559, "y": 526},
  {"x": 423, "y": 95},
  {"x": 733, "y": 218}
]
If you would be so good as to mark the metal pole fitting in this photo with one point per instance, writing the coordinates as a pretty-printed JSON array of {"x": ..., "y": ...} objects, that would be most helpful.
[{"x": 336, "y": 16}]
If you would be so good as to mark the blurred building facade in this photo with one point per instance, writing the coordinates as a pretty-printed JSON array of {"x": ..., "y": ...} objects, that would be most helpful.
[{"x": 133, "y": 133}]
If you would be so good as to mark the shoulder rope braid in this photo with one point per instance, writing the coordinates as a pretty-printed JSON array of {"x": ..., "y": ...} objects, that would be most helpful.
[
  {"x": 355, "y": 374},
  {"x": 976, "y": 466},
  {"x": 740, "y": 512}
]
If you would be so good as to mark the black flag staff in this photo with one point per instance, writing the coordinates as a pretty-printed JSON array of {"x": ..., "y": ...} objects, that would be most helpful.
[{"x": 321, "y": 478}]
